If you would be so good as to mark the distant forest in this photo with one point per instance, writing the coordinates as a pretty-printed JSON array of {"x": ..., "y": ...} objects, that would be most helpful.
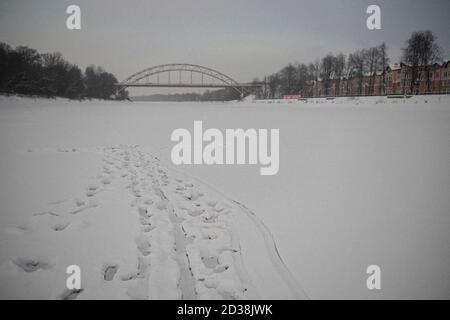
[
  {"x": 226, "y": 94},
  {"x": 26, "y": 71}
]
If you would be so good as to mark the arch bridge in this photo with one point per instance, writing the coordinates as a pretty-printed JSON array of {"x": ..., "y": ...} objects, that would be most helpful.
[{"x": 181, "y": 75}]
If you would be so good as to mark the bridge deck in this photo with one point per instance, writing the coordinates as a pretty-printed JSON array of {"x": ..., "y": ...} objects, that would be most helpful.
[{"x": 184, "y": 85}]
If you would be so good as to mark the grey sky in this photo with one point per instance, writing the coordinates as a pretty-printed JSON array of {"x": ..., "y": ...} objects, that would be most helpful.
[{"x": 244, "y": 39}]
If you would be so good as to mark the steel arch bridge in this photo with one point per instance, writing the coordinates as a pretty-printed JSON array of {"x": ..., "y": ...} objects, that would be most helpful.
[{"x": 142, "y": 78}]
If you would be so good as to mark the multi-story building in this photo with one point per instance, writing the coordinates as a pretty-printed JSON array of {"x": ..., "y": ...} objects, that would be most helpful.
[{"x": 394, "y": 80}]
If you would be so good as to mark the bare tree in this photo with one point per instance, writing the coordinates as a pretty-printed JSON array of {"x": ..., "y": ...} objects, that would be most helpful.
[
  {"x": 288, "y": 79},
  {"x": 356, "y": 65},
  {"x": 372, "y": 62},
  {"x": 303, "y": 78},
  {"x": 420, "y": 53},
  {"x": 314, "y": 70},
  {"x": 274, "y": 84},
  {"x": 327, "y": 67},
  {"x": 339, "y": 70},
  {"x": 384, "y": 62}
]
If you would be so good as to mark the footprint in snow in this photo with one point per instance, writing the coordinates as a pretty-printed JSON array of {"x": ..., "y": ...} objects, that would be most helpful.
[
  {"x": 92, "y": 187},
  {"x": 221, "y": 269},
  {"x": 106, "y": 180},
  {"x": 79, "y": 202},
  {"x": 109, "y": 270},
  {"x": 71, "y": 294},
  {"x": 60, "y": 226},
  {"x": 210, "y": 235},
  {"x": 18, "y": 230},
  {"x": 195, "y": 212},
  {"x": 90, "y": 205},
  {"x": 143, "y": 212},
  {"x": 210, "y": 218},
  {"x": 51, "y": 213},
  {"x": 31, "y": 265},
  {"x": 148, "y": 201},
  {"x": 161, "y": 205},
  {"x": 147, "y": 228},
  {"x": 211, "y": 203},
  {"x": 193, "y": 195},
  {"x": 210, "y": 262},
  {"x": 90, "y": 193},
  {"x": 129, "y": 276},
  {"x": 143, "y": 245},
  {"x": 107, "y": 170}
]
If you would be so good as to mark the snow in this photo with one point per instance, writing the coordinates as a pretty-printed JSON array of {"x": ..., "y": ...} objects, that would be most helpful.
[{"x": 362, "y": 181}]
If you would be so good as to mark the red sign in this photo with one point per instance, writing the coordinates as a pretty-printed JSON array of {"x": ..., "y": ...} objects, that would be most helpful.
[{"x": 292, "y": 97}]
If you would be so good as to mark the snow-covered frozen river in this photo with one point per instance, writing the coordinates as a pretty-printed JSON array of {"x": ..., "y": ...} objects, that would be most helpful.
[{"x": 361, "y": 182}]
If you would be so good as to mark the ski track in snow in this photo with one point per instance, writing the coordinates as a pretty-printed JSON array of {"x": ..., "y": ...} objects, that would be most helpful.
[{"x": 187, "y": 246}]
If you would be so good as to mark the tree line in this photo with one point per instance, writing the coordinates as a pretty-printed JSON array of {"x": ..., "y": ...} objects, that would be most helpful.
[
  {"x": 420, "y": 52},
  {"x": 24, "y": 70},
  {"x": 225, "y": 94}
]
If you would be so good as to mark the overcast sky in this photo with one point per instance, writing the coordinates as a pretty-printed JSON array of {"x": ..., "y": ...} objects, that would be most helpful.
[{"x": 244, "y": 39}]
